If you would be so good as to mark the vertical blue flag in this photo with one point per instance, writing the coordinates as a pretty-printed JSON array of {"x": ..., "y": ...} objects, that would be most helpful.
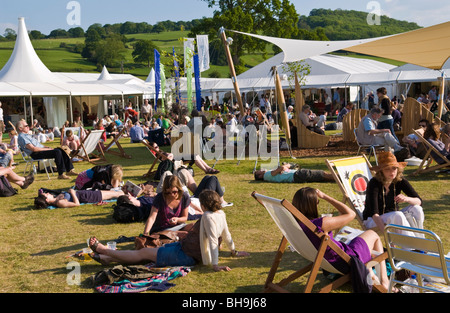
[
  {"x": 157, "y": 77},
  {"x": 176, "y": 66},
  {"x": 198, "y": 91}
]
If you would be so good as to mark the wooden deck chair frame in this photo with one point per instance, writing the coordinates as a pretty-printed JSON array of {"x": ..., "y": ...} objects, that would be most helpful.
[
  {"x": 115, "y": 141},
  {"x": 424, "y": 256},
  {"x": 285, "y": 213},
  {"x": 88, "y": 145},
  {"x": 425, "y": 165},
  {"x": 308, "y": 139},
  {"x": 353, "y": 203},
  {"x": 158, "y": 155}
]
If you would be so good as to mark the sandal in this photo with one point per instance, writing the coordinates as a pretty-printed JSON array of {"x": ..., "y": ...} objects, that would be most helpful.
[
  {"x": 212, "y": 171},
  {"x": 96, "y": 257},
  {"x": 95, "y": 245}
]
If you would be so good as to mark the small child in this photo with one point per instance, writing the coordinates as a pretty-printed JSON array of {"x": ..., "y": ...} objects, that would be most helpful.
[{"x": 71, "y": 140}]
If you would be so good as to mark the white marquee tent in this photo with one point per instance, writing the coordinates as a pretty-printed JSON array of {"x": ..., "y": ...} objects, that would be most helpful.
[{"x": 25, "y": 75}]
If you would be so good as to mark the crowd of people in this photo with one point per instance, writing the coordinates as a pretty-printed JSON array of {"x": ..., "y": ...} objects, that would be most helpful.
[{"x": 176, "y": 199}]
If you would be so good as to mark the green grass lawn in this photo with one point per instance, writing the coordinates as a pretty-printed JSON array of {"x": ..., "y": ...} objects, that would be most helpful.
[{"x": 35, "y": 243}]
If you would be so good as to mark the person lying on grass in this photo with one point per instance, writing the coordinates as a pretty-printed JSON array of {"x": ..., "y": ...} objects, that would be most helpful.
[
  {"x": 201, "y": 245},
  {"x": 72, "y": 197},
  {"x": 286, "y": 174}
]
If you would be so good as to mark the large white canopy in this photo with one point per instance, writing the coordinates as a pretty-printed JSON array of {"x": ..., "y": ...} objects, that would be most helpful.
[
  {"x": 295, "y": 49},
  {"x": 26, "y": 75}
]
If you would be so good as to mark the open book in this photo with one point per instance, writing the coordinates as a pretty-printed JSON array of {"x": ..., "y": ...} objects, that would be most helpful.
[{"x": 132, "y": 189}]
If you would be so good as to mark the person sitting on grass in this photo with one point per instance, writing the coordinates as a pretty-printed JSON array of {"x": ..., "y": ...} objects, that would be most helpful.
[
  {"x": 12, "y": 177},
  {"x": 187, "y": 181},
  {"x": 201, "y": 245},
  {"x": 170, "y": 207},
  {"x": 194, "y": 158},
  {"x": 100, "y": 177},
  {"x": 72, "y": 141},
  {"x": 284, "y": 174},
  {"x": 73, "y": 198},
  {"x": 306, "y": 200}
]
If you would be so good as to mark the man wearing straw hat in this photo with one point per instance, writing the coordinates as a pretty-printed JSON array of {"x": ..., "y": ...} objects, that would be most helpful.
[{"x": 384, "y": 194}]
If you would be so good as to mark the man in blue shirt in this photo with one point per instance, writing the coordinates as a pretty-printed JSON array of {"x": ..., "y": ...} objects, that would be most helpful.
[
  {"x": 136, "y": 133},
  {"x": 35, "y": 150},
  {"x": 284, "y": 174}
]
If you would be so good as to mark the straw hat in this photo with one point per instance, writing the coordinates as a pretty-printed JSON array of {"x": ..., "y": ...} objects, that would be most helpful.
[{"x": 386, "y": 159}]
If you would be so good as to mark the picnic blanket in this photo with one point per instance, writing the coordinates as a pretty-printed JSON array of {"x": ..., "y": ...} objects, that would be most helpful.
[{"x": 136, "y": 278}]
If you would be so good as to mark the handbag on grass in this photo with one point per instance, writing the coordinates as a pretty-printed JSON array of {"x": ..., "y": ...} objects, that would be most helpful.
[{"x": 158, "y": 239}]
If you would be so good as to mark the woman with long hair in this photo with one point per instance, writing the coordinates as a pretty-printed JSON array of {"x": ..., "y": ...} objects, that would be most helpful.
[
  {"x": 385, "y": 191},
  {"x": 201, "y": 245},
  {"x": 306, "y": 200}
]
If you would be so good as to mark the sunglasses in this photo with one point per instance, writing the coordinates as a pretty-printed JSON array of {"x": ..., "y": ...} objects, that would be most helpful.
[
  {"x": 422, "y": 125},
  {"x": 173, "y": 192}
]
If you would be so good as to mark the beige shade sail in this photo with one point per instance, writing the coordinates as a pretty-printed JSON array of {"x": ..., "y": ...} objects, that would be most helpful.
[{"x": 428, "y": 47}]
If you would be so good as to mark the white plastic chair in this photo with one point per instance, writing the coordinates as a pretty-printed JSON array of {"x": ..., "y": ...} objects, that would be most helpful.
[
  {"x": 30, "y": 164},
  {"x": 423, "y": 256},
  {"x": 372, "y": 148}
]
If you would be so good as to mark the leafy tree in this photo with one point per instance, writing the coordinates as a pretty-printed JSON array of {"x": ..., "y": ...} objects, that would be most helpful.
[
  {"x": 10, "y": 34},
  {"x": 144, "y": 52},
  {"x": 128, "y": 28},
  {"x": 269, "y": 17},
  {"x": 76, "y": 32},
  {"x": 58, "y": 33},
  {"x": 350, "y": 24},
  {"x": 110, "y": 51},
  {"x": 158, "y": 28},
  {"x": 35, "y": 34}
]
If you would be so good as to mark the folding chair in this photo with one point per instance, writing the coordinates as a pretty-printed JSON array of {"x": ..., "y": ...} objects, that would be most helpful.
[
  {"x": 432, "y": 152},
  {"x": 372, "y": 148},
  {"x": 29, "y": 163},
  {"x": 286, "y": 217},
  {"x": 158, "y": 155},
  {"x": 88, "y": 145},
  {"x": 352, "y": 176},
  {"x": 115, "y": 141},
  {"x": 423, "y": 256}
]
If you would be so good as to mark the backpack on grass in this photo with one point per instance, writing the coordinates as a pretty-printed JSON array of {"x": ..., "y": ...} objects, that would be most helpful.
[{"x": 6, "y": 190}]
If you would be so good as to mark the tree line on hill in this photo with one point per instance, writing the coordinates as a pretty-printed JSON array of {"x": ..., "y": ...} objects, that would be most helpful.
[
  {"x": 107, "y": 44},
  {"x": 117, "y": 28}
]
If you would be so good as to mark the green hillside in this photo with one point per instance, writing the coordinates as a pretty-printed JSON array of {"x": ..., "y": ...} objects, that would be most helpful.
[
  {"x": 350, "y": 24},
  {"x": 64, "y": 54}
]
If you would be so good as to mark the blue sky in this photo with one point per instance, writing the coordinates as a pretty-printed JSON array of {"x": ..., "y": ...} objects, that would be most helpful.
[{"x": 46, "y": 15}]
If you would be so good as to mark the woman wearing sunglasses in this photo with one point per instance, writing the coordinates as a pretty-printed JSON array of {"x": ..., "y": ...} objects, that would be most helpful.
[{"x": 170, "y": 207}]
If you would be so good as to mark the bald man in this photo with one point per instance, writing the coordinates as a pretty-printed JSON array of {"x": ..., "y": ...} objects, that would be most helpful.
[{"x": 35, "y": 150}]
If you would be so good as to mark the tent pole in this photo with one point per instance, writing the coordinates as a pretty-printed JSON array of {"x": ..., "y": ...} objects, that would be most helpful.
[
  {"x": 31, "y": 108},
  {"x": 232, "y": 70},
  {"x": 70, "y": 106},
  {"x": 25, "y": 108},
  {"x": 441, "y": 96},
  {"x": 282, "y": 107}
]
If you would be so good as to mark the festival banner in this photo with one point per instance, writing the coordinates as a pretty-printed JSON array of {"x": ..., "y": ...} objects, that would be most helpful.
[
  {"x": 176, "y": 66},
  {"x": 157, "y": 77},
  {"x": 188, "y": 52},
  {"x": 163, "y": 86},
  {"x": 203, "y": 52},
  {"x": 198, "y": 91}
]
